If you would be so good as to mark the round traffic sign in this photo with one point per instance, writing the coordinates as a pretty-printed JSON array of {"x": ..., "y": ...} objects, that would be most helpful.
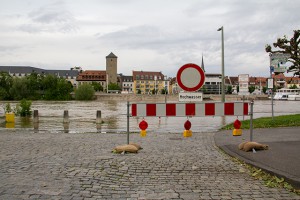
[{"x": 190, "y": 77}]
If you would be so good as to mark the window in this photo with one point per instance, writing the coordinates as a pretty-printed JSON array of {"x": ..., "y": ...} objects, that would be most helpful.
[{"x": 137, "y": 77}]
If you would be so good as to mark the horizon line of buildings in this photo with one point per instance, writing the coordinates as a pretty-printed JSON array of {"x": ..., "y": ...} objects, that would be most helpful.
[{"x": 145, "y": 82}]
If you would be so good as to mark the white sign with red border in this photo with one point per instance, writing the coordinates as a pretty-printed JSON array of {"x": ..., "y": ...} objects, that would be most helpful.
[{"x": 190, "y": 77}]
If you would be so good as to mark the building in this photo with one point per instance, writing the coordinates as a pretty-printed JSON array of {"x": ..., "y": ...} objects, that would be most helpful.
[
  {"x": 126, "y": 84},
  {"x": 212, "y": 84},
  {"x": 21, "y": 71},
  {"x": 103, "y": 77},
  {"x": 111, "y": 68},
  {"x": 89, "y": 76},
  {"x": 292, "y": 82},
  {"x": 147, "y": 82}
]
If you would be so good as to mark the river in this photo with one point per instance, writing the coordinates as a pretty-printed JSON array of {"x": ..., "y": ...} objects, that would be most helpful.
[{"x": 82, "y": 116}]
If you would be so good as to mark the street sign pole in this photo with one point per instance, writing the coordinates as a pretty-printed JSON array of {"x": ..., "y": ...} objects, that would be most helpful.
[{"x": 272, "y": 105}]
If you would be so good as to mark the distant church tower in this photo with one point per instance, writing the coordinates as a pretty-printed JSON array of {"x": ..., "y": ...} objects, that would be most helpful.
[{"x": 111, "y": 68}]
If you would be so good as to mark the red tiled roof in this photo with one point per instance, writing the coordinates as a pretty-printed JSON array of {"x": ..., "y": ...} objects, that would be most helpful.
[
  {"x": 144, "y": 75},
  {"x": 92, "y": 75}
]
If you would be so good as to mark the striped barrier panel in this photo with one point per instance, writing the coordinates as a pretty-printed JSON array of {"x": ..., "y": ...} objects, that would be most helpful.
[{"x": 189, "y": 109}]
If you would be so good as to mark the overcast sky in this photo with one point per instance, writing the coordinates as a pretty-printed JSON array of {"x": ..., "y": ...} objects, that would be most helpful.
[{"x": 148, "y": 35}]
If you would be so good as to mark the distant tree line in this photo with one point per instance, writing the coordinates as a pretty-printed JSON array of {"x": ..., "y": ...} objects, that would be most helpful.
[
  {"x": 34, "y": 87},
  {"x": 46, "y": 87}
]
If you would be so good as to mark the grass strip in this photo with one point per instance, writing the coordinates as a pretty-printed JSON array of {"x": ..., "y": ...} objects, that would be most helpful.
[{"x": 268, "y": 122}]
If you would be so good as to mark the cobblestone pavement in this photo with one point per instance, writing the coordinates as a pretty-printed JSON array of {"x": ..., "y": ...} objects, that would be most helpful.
[{"x": 81, "y": 166}]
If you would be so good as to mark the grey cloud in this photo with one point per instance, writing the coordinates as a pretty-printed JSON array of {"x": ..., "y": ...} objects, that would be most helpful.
[
  {"x": 8, "y": 48},
  {"x": 50, "y": 18},
  {"x": 150, "y": 37}
]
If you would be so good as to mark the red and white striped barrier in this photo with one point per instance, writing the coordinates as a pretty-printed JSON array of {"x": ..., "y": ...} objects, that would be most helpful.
[{"x": 189, "y": 109}]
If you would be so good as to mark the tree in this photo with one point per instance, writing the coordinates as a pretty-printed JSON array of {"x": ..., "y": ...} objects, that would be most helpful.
[
  {"x": 49, "y": 85},
  {"x": 19, "y": 89},
  {"x": 6, "y": 82},
  {"x": 84, "y": 92},
  {"x": 33, "y": 86},
  {"x": 291, "y": 47},
  {"x": 64, "y": 89},
  {"x": 113, "y": 86},
  {"x": 56, "y": 88},
  {"x": 251, "y": 89},
  {"x": 97, "y": 86},
  {"x": 164, "y": 91},
  {"x": 229, "y": 89},
  {"x": 293, "y": 87},
  {"x": 265, "y": 90}
]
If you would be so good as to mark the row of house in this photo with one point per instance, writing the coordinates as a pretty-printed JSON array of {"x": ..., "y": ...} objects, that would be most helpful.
[{"x": 145, "y": 82}]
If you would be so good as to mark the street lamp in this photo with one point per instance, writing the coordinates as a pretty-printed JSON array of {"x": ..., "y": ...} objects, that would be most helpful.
[
  {"x": 155, "y": 78},
  {"x": 223, "y": 86}
]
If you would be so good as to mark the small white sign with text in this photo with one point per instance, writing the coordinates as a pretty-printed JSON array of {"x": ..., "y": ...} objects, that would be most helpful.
[{"x": 190, "y": 96}]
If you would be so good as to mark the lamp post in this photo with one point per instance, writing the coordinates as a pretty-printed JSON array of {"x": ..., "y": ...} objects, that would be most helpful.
[
  {"x": 219, "y": 84},
  {"x": 223, "y": 86},
  {"x": 155, "y": 78}
]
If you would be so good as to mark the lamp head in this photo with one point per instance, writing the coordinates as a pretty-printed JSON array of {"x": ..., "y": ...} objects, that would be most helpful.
[{"x": 220, "y": 28}]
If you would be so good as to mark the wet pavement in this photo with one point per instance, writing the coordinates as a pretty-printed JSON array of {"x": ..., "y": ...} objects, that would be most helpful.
[
  {"x": 281, "y": 159},
  {"x": 81, "y": 166}
]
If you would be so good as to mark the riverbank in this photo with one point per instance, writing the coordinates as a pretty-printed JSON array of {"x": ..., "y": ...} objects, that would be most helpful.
[{"x": 171, "y": 97}]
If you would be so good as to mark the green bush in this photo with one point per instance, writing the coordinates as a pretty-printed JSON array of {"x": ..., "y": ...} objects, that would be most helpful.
[
  {"x": 24, "y": 108},
  {"x": 84, "y": 92},
  {"x": 7, "y": 108}
]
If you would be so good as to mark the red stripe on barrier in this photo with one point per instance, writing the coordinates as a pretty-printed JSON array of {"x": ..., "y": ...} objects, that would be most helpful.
[
  {"x": 133, "y": 109},
  {"x": 151, "y": 109},
  {"x": 209, "y": 109},
  {"x": 229, "y": 108},
  {"x": 171, "y": 109},
  {"x": 246, "y": 109},
  {"x": 190, "y": 109}
]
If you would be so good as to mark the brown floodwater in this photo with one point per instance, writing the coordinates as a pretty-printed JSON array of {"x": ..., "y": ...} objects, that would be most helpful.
[{"x": 82, "y": 117}]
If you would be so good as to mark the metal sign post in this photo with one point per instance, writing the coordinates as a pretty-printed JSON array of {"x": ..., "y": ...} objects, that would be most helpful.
[
  {"x": 271, "y": 87},
  {"x": 128, "y": 122},
  {"x": 251, "y": 120}
]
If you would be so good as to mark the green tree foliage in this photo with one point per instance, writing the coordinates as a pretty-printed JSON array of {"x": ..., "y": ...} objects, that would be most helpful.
[
  {"x": 113, "y": 86},
  {"x": 164, "y": 91},
  {"x": 84, "y": 92},
  {"x": 6, "y": 82},
  {"x": 24, "y": 108},
  {"x": 33, "y": 82},
  {"x": 19, "y": 89},
  {"x": 251, "y": 89},
  {"x": 55, "y": 88},
  {"x": 289, "y": 46},
  {"x": 293, "y": 87},
  {"x": 97, "y": 86},
  {"x": 265, "y": 90},
  {"x": 64, "y": 89},
  {"x": 34, "y": 87},
  {"x": 229, "y": 89}
]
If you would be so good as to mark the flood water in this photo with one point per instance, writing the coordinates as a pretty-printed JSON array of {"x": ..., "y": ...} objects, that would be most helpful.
[{"x": 82, "y": 117}]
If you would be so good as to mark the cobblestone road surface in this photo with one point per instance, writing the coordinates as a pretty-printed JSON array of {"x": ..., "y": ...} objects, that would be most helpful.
[{"x": 81, "y": 166}]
